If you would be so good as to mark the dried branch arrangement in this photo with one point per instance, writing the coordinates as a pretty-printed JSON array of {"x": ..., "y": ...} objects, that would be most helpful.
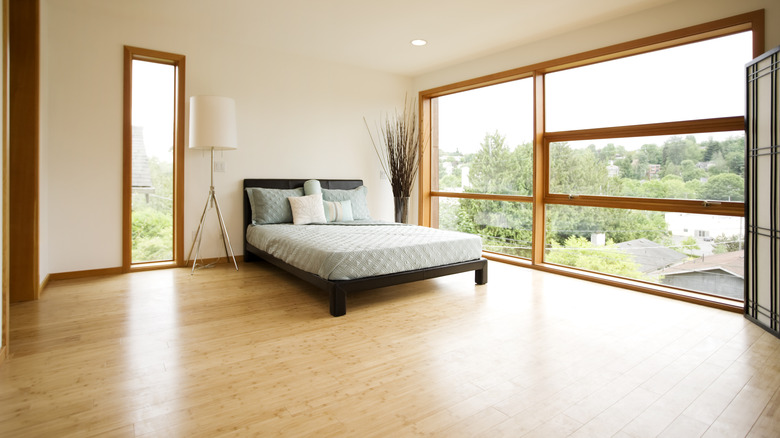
[{"x": 399, "y": 148}]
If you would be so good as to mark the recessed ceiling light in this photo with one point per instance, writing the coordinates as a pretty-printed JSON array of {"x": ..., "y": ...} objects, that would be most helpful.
[{"x": 419, "y": 42}]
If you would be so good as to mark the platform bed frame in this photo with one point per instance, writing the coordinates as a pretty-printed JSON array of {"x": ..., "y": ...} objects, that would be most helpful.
[{"x": 337, "y": 289}]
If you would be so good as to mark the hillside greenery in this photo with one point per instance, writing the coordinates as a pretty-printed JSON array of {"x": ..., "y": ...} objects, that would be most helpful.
[
  {"x": 680, "y": 168},
  {"x": 152, "y": 225}
]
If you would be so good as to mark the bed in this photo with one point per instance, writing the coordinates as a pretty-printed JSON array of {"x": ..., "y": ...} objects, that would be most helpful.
[{"x": 338, "y": 288}]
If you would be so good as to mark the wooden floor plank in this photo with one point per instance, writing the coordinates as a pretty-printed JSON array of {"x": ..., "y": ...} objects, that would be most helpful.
[{"x": 228, "y": 354}]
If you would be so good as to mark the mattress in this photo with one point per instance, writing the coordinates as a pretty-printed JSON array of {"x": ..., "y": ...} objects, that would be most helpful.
[{"x": 345, "y": 251}]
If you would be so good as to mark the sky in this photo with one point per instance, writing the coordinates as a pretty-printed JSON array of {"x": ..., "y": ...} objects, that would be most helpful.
[
  {"x": 695, "y": 81},
  {"x": 682, "y": 83},
  {"x": 153, "y": 100}
]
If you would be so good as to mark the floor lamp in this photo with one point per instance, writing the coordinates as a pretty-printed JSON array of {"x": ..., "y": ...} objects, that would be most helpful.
[{"x": 212, "y": 126}]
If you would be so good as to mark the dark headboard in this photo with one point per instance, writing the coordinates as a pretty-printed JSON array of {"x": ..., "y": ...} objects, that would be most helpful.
[{"x": 340, "y": 184}]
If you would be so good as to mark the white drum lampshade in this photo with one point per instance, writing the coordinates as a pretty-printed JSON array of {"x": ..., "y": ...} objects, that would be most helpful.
[{"x": 212, "y": 123}]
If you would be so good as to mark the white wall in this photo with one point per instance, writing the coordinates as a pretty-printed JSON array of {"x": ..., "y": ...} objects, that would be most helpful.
[
  {"x": 297, "y": 118},
  {"x": 668, "y": 17}
]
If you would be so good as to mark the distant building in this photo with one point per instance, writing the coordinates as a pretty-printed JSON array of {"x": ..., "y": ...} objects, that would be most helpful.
[
  {"x": 704, "y": 226},
  {"x": 718, "y": 274},
  {"x": 653, "y": 171},
  {"x": 142, "y": 178},
  {"x": 612, "y": 170}
]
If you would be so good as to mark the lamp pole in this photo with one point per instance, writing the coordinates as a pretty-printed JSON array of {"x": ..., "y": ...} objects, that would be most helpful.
[{"x": 212, "y": 198}]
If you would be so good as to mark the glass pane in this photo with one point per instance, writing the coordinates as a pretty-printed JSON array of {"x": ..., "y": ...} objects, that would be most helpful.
[
  {"x": 152, "y": 186},
  {"x": 703, "y": 253},
  {"x": 484, "y": 139},
  {"x": 505, "y": 227},
  {"x": 702, "y": 166},
  {"x": 695, "y": 81}
]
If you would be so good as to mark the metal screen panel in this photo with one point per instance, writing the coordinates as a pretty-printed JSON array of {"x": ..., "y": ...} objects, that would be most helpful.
[{"x": 762, "y": 192}]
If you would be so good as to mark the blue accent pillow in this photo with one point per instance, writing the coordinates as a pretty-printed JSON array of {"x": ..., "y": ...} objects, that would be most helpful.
[
  {"x": 270, "y": 206},
  {"x": 338, "y": 211},
  {"x": 356, "y": 197},
  {"x": 312, "y": 187}
]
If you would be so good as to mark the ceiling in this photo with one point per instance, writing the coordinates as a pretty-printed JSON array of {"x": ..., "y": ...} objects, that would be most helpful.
[{"x": 373, "y": 34}]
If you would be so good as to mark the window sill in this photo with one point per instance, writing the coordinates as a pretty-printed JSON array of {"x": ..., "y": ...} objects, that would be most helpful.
[{"x": 704, "y": 299}]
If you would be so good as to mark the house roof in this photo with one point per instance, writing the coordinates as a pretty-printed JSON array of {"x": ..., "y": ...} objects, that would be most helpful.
[
  {"x": 142, "y": 178},
  {"x": 651, "y": 256},
  {"x": 731, "y": 262}
]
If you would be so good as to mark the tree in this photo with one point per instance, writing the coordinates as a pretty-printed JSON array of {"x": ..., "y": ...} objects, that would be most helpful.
[
  {"x": 671, "y": 169},
  {"x": 689, "y": 245},
  {"x": 152, "y": 235},
  {"x": 506, "y": 226},
  {"x": 152, "y": 217},
  {"x": 693, "y": 188},
  {"x": 619, "y": 225},
  {"x": 693, "y": 151},
  {"x": 689, "y": 171},
  {"x": 652, "y": 152},
  {"x": 579, "y": 172},
  {"x": 492, "y": 170},
  {"x": 710, "y": 147},
  {"x": 626, "y": 166},
  {"x": 723, "y": 244},
  {"x": 718, "y": 164},
  {"x": 497, "y": 169},
  {"x": 724, "y": 187},
  {"x": 578, "y": 252},
  {"x": 673, "y": 151},
  {"x": 736, "y": 162}
]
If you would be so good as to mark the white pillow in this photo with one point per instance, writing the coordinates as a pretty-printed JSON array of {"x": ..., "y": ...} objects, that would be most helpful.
[{"x": 307, "y": 209}]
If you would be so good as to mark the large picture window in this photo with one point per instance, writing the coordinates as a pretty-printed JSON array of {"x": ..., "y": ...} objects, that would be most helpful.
[{"x": 624, "y": 165}]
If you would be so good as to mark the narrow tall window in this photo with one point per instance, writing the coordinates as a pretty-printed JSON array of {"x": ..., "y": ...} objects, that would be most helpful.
[{"x": 153, "y": 151}]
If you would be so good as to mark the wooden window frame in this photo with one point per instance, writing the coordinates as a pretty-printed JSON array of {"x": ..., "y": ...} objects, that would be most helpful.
[
  {"x": 541, "y": 197},
  {"x": 178, "y": 61}
]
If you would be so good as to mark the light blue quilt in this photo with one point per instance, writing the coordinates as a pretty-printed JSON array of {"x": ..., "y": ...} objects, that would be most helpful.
[{"x": 344, "y": 251}]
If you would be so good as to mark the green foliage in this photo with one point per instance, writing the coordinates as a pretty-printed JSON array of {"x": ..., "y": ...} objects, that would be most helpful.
[
  {"x": 723, "y": 244},
  {"x": 689, "y": 171},
  {"x": 497, "y": 169},
  {"x": 152, "y": 235},
  {"x": 618, "y": 225},
  {"x": 506, "y": 227},
  {"x": 575, "y": 172},
  {"x": 724, "y": 187},
  {"x": 677, "y": 149},
  {"x": 578, "y": 252},
  {"x": 689, "y": 245},
  {"x": 152, "y": 222},
  {"x": 651, "y": 153}
]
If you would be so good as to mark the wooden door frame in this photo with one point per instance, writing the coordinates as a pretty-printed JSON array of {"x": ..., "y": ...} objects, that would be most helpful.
[
  {"x": 5, "y": 280},
  {"x": 24, "y": 125}
]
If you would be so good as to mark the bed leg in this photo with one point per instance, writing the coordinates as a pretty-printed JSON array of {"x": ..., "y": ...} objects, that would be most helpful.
[
  {"x": 480, "y": 275},
  {"x": 338, "y": 301}
]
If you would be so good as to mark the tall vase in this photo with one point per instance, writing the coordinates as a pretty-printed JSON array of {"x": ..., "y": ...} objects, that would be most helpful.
[{"x": 402, "y": 209}]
